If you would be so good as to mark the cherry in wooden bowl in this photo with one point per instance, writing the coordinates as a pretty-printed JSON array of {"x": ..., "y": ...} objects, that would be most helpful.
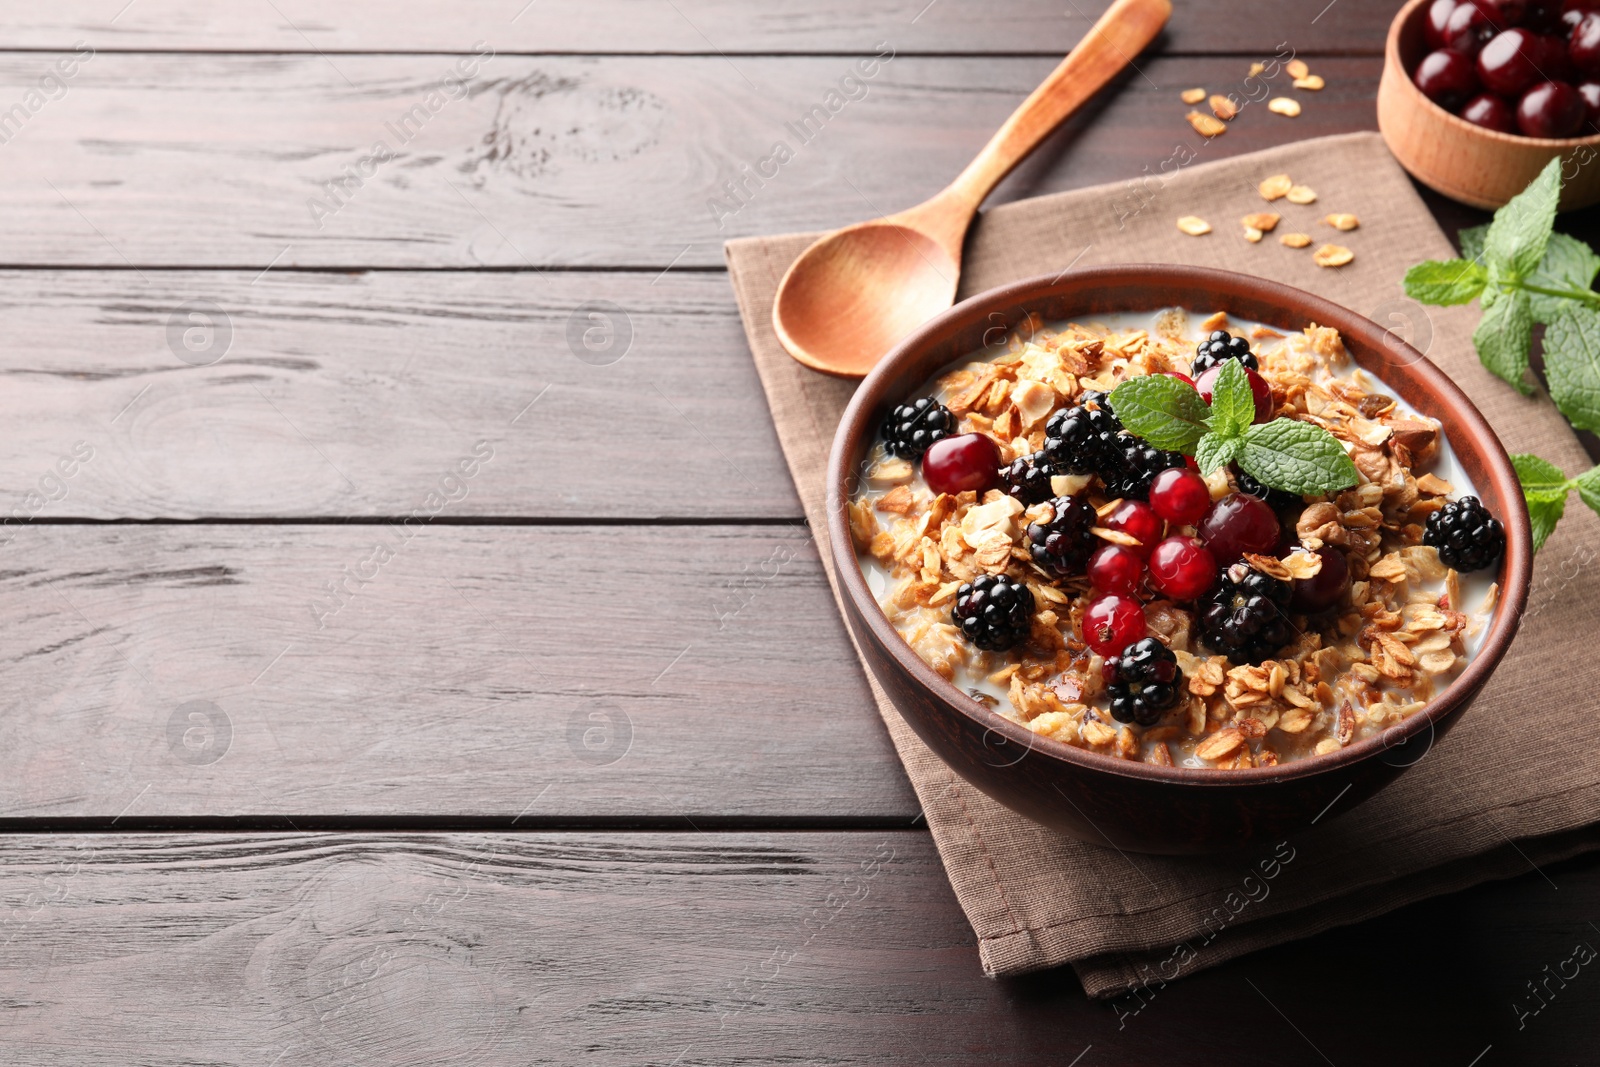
[
  {"x": 1140, "y": 806},
  {"x": 1465, "y": 161}
]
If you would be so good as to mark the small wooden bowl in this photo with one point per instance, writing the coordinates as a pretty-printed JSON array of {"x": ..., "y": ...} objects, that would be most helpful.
[
  {"x": 1483, "y": 168},
  {"x": 1139, "y": 806}
]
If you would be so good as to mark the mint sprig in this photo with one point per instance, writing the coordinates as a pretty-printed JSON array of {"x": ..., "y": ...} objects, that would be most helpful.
[
  {"x": 1521, "y": 273},
  {"x": 1286, "y": 454}
]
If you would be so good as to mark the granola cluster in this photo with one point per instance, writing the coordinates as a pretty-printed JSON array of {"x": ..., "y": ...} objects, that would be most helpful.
[{"x": 1389, "y": 646}]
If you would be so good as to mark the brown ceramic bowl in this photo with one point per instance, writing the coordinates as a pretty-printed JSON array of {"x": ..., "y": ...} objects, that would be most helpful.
[
  {"x": 1465, "y": 162},
  {"x": 1137, "y": 806}
]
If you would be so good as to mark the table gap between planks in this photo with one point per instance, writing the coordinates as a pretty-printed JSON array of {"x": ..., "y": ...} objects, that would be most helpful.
[{"x": 427, "y": 498}]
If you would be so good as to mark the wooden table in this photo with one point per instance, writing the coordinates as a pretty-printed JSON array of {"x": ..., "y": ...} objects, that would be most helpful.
[{"x": 415, "y": 652}]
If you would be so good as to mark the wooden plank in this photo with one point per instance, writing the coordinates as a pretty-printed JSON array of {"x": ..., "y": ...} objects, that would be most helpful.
[
  {"x": 686, "y": 26},
  {"x": 526, "y": 675},
  {"x": 335, "y": 395},
  {"x": 552, "y": 160},
  {"x": 707, "y": 949}
]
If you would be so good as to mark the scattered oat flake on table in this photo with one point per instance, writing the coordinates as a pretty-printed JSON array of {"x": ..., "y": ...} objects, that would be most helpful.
[
  {"x": 1297, "y": 68},
  {"x": 1194, "y": 225},
  {"x": 1301, "y": 194},
  {"x": 1296, "y": 240},
  {"x": 1311, "y": 82},
  {"x": 1332, "y": 256},
  {"x": 1256, "y": 68},
  {"x": 1252, "y": 235},
  {"x": 1342, "y": 221},
  {"x": 1205, "y": 125},
  {"x": 1261, "y": 220},
  {"x": 1222, "y": 107},
  {"x": 1282, "y": 105},
  {"x": 1274, "y": 187},
  {"x": 1192, "y": 96}
]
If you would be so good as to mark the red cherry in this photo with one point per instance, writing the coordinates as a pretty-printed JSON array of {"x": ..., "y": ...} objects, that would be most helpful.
[
  {"x": 1112, "y": 622},
  {"x": 1550, "y": 109},
  {"x": 1447, "y": 78},
  {"x": 1325, "y": 588},
  {"x": 1544, "y": 16},
  {"x": 1468, "y": 29},
  {"x": 969, "y": 461},
  {"x": 1139, "y": 521},
  {"x": 1435, "y": 20},
  {"x": 1504, "y": 13},
  {"x": 1180, "y": 496},
  {"x": 1590, "y": 91},
  {"x": 1178, "y": 375},
  {"x": 1491, "y": 112},
  {"x": 1116, "y": 569},
  {"x": 1584, "y": 46},
  {"x": 1236, "y": 524},
  {"x": 1182, "y": 568},
  {"x": 1258, "y": 387},
  {"x": 1508, "y": 63}
]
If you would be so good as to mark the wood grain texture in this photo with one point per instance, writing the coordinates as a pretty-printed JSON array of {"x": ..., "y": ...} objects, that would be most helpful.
[
  {"x": 516, "y": 674},
  {"x": 336, "y": 395},
  {"x": 707, "y": 949},
  {"x": 221, "y": 160},
  {"x": 686, "y": 26}
]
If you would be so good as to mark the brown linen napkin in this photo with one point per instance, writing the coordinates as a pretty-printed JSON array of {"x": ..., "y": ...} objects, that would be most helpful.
[{"x": 1516, "y": 784}]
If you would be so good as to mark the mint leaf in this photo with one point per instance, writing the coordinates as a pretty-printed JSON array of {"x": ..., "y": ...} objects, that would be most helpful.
[
  {"x": 1572, "y": 365},
  {"x": 1297, "y": 457},
  {"x": 1516, "y": 240},
  {"x": 1544, "y": 487},
  {"x": 1163, "y": 410},
  {"x": 1233, "y": 403},
  {"x": 1543, "y": 514},
  {"x": 1568, "y": 264},
  {"x": 1445, "y": 282},
  {"x": 1472, "y": 241},
  {"x": 1588, "y": 486},
  {"x": 1502, "y": 336},
  {"x": 1215, "y": 450}
]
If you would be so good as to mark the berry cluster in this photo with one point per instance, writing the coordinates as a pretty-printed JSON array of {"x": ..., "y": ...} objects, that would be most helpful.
[
  {"x": 1467, "y": 536},
  {"x": 1517, "y": 66}
]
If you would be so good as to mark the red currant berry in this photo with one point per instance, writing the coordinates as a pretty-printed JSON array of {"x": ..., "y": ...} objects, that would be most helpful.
[
  {"x": 1178, "y": 375},
  {"x": 1236, "y": 524},
  {"x": 1180, "y": 496},
  {"x": 1325, "y": 588},
  {"x": 1258, "y": 388},
  {"x": 1182, "y": 568},
  {"x": 966, "y": 461},
  {"x": 1490, "y": 112},
  {"x": 1508, "y": 63},
  {"x": 1139, "y": 521},
  {"x": 1550, "y": 109},
  {"x": 1446, "y": 78},
  {"x": 1435, "y": 20},
  {"x": 1112, "y": 623},
  {"x": 1116, "y": 569}
]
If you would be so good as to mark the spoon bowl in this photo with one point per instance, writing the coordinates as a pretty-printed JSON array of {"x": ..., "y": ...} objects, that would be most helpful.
[{"x": 856, "y": 292}]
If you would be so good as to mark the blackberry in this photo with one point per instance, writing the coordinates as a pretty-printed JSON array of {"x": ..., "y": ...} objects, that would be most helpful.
[
  {"x": 1028, "y": 478},
  {"x": 1276, "y": 499},
  {"x": 993, "y": 612},
  {"x": 1219, "y": 346},
  {"x": 1064, "y": 544},
  {"x": 1143, "y": 682},
  {"x": 1467, "y": 536},
  {"x": 1096, "y": 398},
  {"x": 1136, "y": 466},
  {"x": 911, "y": 428},
  {"x": 1082, "y": 439},
  {"x": 1247, "y": 617}
]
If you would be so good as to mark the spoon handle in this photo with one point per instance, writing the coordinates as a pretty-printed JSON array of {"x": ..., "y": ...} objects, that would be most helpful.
[{"x": 1111, "y": 44}]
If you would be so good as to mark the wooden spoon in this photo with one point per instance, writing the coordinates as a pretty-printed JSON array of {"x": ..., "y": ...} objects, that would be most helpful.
[{"x": 855, "y": 293}]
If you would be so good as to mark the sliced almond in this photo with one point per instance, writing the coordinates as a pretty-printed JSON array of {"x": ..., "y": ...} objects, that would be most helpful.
[
  {"x": 1252, "y": 235},
  {"x": 1297, "y": 68},
  {"x": 1296, "y": 240},
  {"x": 1194, "y": 225},
  {"x": 1301, "y": 194},
  {"x": 1264, "y": 221},
  {"x": 1311, "y": 82},
  {"x": 1192, "y": 96},
  {"x": 1222, "y": 107},
  {"x": 1274, "y": 187},
  {"x": 1069, "y": 484},
  {"x": 1206, "y": 125},
  {"x": 1342, "y": 221},
  {"x": 1332, "y": 256},
  {"x": 1283, "y": 105},
  {"x": 1116, "y": 537}
]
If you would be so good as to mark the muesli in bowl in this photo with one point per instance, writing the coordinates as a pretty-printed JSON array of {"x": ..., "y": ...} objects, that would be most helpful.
[{"x": 1177, "y": 538}]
